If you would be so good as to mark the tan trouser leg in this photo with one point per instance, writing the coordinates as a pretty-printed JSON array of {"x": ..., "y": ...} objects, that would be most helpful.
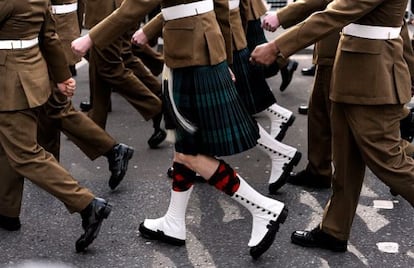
[{"x": 34, "y": 163}]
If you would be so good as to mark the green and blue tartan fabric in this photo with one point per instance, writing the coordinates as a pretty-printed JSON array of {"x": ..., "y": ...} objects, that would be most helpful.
[
  {"x": 251, "y": 83},
  {"x": 207, "y": 97}
]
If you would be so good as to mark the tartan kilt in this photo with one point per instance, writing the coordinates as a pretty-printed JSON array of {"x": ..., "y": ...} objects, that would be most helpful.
[
  {"x": 251, "y": 83},
  {"x": 255, "y": 34},
  {"x": 206, "y": 96}
]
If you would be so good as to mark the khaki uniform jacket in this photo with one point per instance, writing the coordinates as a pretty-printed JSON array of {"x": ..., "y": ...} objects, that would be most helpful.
[
  {"x": 325, "y": 49},
  {"x": 155, "y": 28},
  {"x": 366, "y": 71},
  {"x": 97, "y": 10},
  {"x": 190, "y": 41},
  {"x": 67, "y": 27},
  {"x": 251, "y": 10},
  {"x": 237, "y": 30},
  {"x": 24, "y": 80},
  {"x": 257, "y": 8}
]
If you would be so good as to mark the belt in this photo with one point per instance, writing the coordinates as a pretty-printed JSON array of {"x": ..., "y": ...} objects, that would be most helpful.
[
  {"x": 65, "y": 8},
  {"x": 18, "y": 44},
  {"x": 233, "y": 4},
  {"x": 372, "y": 32},
  {"x": 187, "y": 10}
]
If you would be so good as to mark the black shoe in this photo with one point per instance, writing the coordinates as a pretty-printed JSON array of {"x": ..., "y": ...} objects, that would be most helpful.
[
  {"x": 271, "y": 70},
  {"x": 92, "y": 218},
  {"x": 318, "y": 239},
  {"x": 197, "y": 178},
  {"x": 303, "y": 109},
  {"x": 287, "y": 168},
  {"x": 407, "y": 126},
  {"x": 309, "y": 71},
  {"x": 307, "y": 179},
  {"x": 118, "y": 159},
  {"x": 287, "y": 74},
  {"x": 284, "y": 127},
  {"x": 156, "y": 138},
  {"x": 10, "y": 223},
  {"x": 85, "y": 106}
]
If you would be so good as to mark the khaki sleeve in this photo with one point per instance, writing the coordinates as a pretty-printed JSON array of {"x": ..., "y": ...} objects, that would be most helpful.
[
  {"x": 53, "y": 51},
  {"x": 128, "y": 15},
  {"x": 221, "y": 8},
  {"x": 299, "y": 10},
  {"x": 153, "y": 28}
]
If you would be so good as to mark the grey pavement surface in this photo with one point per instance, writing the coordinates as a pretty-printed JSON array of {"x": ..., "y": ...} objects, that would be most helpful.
[{"x": 218, "y": 228}]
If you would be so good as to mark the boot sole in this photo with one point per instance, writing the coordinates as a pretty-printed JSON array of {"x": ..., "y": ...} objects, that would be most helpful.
[
  {"x": 157, "y": 140},
  {"x": 274, "y": 187},
  {"x": 92, "y": 232},
  {"x": 160, "y": 236},
  {"x": 285, "y": 127},
  {"x": 301, "y": 243},
  {"x": 270, "y": 236},
  {"x": 114, "y": 182}
]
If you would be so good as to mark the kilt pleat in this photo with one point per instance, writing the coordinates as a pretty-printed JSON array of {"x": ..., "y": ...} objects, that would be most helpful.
[
  {"x": 251, "y": 83},
  {"x": 255, "y": 34},
  {"x": 241, "y": 71},
  {"x": 207, "y": 97}
]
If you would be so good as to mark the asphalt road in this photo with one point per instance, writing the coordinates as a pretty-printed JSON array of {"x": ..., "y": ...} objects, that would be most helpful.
[{"x": 218, "y": 228}]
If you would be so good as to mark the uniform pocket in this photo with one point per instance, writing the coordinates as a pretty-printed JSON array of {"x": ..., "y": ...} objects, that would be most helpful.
[
  {"x": 359, "y": 67},
  {"x": 179, "y": 35},
  {"x": 361, "y": 45}
]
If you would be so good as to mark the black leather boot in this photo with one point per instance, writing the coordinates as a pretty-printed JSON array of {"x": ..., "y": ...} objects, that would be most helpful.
[
  {"x": 85, "y": 106},
  {"x": 10, "y": 223},
  {"x": 309, "y": 71},
  {"x": 92, "y": 218},
  {"x": 159, "y": 134},
  {"x": 307, "y": 179},
  {"x": 118, "y": 159},
  {"x": 319, "y": 239},
  {"x": 287, "y": 74}
]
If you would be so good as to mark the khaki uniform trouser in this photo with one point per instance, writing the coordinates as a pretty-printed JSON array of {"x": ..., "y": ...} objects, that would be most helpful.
[
  {"x": 19, "y": 146},
  {"x": 58, "y": 114},
  {"x": 365, "y": 135},
  {"x": 107, "y": 71},
  {"x": 153, "y": 60},
  {"x": 55, "y": 116},
  {"x": 319, "y": 126}
]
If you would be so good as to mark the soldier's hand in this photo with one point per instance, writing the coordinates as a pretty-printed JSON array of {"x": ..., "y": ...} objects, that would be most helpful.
[
  {"x": 264, "y": 54},
  {"x": 67, "y": 87},
  {"x": 139, "y": 38},
  {"x": 271, "y": 21},
  {"x": 81, "y": 45}
]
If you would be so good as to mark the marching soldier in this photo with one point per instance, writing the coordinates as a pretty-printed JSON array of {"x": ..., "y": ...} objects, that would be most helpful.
[
  {"x": 211, "y": 120},
  {"x": 367, "y": 105},
  {"x": 29, "y": 49}
]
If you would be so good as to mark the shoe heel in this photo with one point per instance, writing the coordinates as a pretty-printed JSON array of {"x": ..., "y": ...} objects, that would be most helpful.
[
  {"x": 104, "y": 213},
  {"x": 283, "y": 215},
  {"x": 130, "y": 153},
  {"x": 290, "y": 121},
  {"x": 296, "y": 158}
]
